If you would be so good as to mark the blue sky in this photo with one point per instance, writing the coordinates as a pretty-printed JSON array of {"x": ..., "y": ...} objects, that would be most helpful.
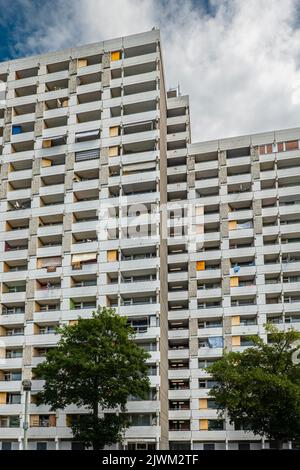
[
  {"x": 20, "y": 19},
  {"x": 238, "y": 60}
]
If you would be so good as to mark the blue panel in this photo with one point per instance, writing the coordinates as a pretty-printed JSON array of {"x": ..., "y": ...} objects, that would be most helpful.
[{"x": 16, "y": 130}]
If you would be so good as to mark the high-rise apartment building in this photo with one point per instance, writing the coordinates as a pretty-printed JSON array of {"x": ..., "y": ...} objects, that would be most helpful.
[{"x": 98, "y": 183}]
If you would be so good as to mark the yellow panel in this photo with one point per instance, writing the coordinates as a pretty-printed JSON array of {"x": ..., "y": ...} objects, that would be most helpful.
[
  {"x": 203, "y": 403},
  {"x": 234, "y": 281},
  {"x": 114, "y": 131},
  {"x": 203, "y": 424},
  {"x": 73, "y": 322},
  {"x": 116, "y": 55},
  {"x": 34, "y": 420},
  {"x": 235, "y": 321},
  {"x": 2, "y": 398},
  {"x": 236, "y": 341},
  {"x": 113, "y": 151},
  {"x": 76, "y": 265},
  {"x": 200, "y": 265},
  {"x": 46, "y": 162},
  {"x": 47, "y": 143},
  {"x": 232, "y": 224},
  {"x": 82, "y": 63},
  {"x": 112, "y": 255}
]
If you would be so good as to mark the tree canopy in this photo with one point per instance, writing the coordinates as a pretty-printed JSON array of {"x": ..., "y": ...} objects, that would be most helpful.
[
  {"x": 259, "y": 388},
  {"x": 96, "y": 365}
]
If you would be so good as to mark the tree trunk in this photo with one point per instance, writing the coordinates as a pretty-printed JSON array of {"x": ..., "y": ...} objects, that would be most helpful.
[
  {"x": 96, "y": 445},
  {"x": 278, "y": 444}
]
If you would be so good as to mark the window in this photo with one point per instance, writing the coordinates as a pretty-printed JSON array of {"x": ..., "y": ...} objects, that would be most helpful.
[
  {"x": 215, "y": 424},
  {"x": 212, "y": 405},
  {"x": 152, "y": 369},
  {"x": 210, "y": 324},
  {"x": 142, "y": 420},
  {"x": 208, "y": 446},
  {"x": 11, "y": 376},
  {"x": 6, "y": 445},
  {"x": 139, "y": 325},
  {"x": 242, "y": 302},
  {"x": 244, "y": 446},
  {"x": 77, "y": 446},
  {"x": 210, "y": 304},
  {"x": 41, "y": 446},
  {"x": 13, "y": 353},
  {"x": 47, "y": 307},
  {"x": 207, "y": 383},
  {"x": 47, "y": 330},
  {"x": 213, "y": 342},
  {"x": 246, "y": 321},
  {"x": 148, "y": 346},
  {"x": 13, "y": 398},
  {"x": 179, "y": 405},
  {"x": 204, "y": 363},
  {"x": 179, "y": 384},
  {"x": 139, "y": 446},
  {"x": 245, "y": 341},
  {"x": 179, "y": 425},
  {"x": 14, "y": 331},
  {"x": 92, "y": 154},
  {"x": 9, "y": 421},
  {"x": 82, "y": 305},
  {"x": 180, "y": 445},
  {"x": 13, "y": 310}
]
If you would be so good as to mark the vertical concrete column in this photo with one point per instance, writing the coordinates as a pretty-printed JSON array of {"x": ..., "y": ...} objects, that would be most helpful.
[
  {"x": 191, "y": 172},
  {"x": 38, "y": 127},
  {"x": 8, "y": 116},
  {"x": 73, "y": 67},
  {"x": 224, "y": 240},
  {"x": 6, "y": 133},
  {"x": 193, "y": 338}
]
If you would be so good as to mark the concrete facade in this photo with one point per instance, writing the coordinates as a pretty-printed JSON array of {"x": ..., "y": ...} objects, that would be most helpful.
[{"x": 89, "y": 139}]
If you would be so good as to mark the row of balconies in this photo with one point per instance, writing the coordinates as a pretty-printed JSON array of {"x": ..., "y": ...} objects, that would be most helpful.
[
  {"x": 178, "y": 271},
  {"x": 239, "y": 170},
  {"x": 51, "y": 288},
  {"x": 210, "y": 196},
  {"x": 85, "y": 66}
]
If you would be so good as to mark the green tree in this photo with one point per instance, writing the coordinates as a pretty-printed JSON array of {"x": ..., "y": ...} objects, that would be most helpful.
[
  {"x": 259, "y": 388},
  {"x": 95, "y": 365}
]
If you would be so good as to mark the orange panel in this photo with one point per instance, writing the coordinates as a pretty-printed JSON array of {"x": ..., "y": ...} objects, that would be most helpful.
[{"x": 200, "y": 265}]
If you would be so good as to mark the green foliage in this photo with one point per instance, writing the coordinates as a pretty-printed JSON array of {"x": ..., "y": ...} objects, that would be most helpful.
[
  {"x": 260, "y": 387},
  {"x": 96, "y": 364}
]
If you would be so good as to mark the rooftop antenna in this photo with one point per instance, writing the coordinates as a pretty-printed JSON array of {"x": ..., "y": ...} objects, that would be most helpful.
[{"x": 178, "y": 89}]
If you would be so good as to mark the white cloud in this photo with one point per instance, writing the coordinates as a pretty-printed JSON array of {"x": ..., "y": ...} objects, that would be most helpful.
[{"x": 239, "y": 66}]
